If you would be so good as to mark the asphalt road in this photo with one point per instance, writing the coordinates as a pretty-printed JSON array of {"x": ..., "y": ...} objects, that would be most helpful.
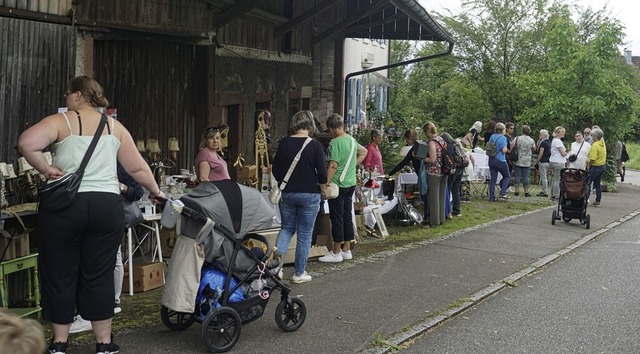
[
  {"x": 394, "y": 295},
  {"x": 584, "y": 302}
]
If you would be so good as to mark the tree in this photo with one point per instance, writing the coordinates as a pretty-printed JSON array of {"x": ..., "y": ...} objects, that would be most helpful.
[
  {"x": 495, "y": 40},
  {"x": 583, "y": 80}
]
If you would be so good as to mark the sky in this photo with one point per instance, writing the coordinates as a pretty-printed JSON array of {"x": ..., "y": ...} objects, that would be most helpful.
[{"x": 624, "y": 10}]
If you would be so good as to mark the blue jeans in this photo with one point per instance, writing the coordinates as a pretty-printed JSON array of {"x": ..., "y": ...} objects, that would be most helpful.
[
  {"x": 298, "y": 212},
  {"x": 521, "y": 172},
  {"x": 496, "y": 166},
  {"x": 595, "y": 177}
]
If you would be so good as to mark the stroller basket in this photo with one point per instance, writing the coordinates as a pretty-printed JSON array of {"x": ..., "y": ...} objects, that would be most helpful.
[{"x": 575, "y": 183}]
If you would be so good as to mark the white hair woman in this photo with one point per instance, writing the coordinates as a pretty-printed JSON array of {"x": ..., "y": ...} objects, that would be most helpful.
[{"x": 472, "y": 137}]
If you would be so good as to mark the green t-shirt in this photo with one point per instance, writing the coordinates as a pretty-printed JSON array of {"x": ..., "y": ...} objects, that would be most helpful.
[{"x": 339, "y": 149}]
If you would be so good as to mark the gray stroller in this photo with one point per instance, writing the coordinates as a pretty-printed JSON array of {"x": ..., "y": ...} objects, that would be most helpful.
[{"x": 235, "y": 282}]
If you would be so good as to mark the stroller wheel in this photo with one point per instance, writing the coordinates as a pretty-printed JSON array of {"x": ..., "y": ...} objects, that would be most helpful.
[
  {"x": 553, "y": 217},
  {"x": 221, "y": 329},
  {"x": 176, "y": 321},
  {"x": 290, "y": 314},
  {"x": 566, "y": 219},
  {"x": 588, "y": 221}
]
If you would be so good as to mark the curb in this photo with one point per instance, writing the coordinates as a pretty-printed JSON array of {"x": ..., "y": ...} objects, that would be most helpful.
[{"x": 395, "y": 341}]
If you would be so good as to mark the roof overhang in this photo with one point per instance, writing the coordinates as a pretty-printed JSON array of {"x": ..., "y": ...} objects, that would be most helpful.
[
  {"x": 386, "y": 19},
  {"x": 372, "y": 19},
  {"x": 393, "y": 19}
]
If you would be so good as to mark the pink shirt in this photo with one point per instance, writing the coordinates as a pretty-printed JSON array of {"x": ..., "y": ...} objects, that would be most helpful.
[
  {"x": 218, "y": 165},
  {"x": 373, "y": 159}
]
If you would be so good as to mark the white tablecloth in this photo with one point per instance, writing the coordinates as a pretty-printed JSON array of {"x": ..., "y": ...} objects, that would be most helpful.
[
  {"x": 406, "y": 178},
  {"x": 481, "y": 166}
]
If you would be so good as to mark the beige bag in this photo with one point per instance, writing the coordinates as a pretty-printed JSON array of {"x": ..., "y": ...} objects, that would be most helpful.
[
  {"x": 183, "y": 277},
  {"x": 332, "y": 191}
]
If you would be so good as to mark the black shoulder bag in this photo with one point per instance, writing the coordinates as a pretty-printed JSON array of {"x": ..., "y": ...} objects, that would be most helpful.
[{"x": 58, "y": 195}]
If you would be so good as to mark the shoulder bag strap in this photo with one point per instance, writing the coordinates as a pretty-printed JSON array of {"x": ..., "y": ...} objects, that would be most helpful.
[
  {"x": 92, "y": 146},
  {"x": 346, "y": 166},
  {"x": 577, "y": 153},
  {"x": 285, "y": 180}
]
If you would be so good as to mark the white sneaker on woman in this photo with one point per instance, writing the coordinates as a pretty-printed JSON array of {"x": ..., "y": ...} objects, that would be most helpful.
[
  {"x": 302, "y": 278},
  {"x": 79, "y": 324},
  {"x": 347, "y": 255},
  {"x": 331, "y": 257}
]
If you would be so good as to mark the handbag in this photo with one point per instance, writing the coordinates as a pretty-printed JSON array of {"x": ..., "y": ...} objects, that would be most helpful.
[
  {"x": 132, "y": 214},
  {"x": 574, "y": 157},
  {"x": 513, "y": 154},
  {"x": 333, "y": 190},
  {"x": 59, "y": 194},
  {"x": 275, "y": 194}
]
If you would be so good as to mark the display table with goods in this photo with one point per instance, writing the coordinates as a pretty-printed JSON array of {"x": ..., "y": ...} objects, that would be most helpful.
[{"x": 19, "y": 286}]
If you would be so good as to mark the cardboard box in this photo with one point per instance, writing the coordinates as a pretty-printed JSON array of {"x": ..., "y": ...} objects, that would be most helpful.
[
  {"x": 168, "y": 241},
  {"x": 324, "y": 240},
  {"x": 321, "y": 227},
  {"x": 272, "y": 236},
  {"x": 248, "y": 171},
  {"x": 146, "y": 277}
]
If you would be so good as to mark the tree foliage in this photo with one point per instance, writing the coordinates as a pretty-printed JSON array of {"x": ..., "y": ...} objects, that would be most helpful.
[
  {"x": 583, "y": 81},
  {"x": 533, "y": 62}
]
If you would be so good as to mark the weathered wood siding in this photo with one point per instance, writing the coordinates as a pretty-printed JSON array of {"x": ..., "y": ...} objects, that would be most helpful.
[
  {"x": 179, "y": 16},
  {"x": 54, "y": 7},
  {"x": 153, "y": 85},
  {"x": 37, "y": 62}
]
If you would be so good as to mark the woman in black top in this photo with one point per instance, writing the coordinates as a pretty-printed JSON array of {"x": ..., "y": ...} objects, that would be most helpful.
[
  {"x": 411, "y": 139},
  {"x": 301, "y": 195}
]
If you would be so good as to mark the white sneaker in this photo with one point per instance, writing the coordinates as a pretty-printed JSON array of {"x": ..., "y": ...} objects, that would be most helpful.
[
  {"x": 80, "y": 325},
  {"x": 117, "y": 309},
  {"x": 331, "y": 257},
  {"x": 347, "y": 255},
  {"x": 302, "y": 278}
]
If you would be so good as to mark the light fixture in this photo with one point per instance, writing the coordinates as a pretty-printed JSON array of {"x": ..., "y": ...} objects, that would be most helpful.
[
  {"x": 140, "y": 146},
  {"x": 23, "y": 166},
  {"x": 153, "y": 147},
  {"x": 174, "y": 147}
]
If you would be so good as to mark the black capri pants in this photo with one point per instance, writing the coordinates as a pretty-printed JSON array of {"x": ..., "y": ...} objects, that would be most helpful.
[{"x": 77, "y": 253}]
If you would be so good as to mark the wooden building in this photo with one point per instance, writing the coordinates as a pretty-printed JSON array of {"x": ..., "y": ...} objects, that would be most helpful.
[{"x": 173, "y": 67}]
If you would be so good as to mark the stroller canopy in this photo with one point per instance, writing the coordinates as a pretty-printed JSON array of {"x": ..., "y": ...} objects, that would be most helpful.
[{"x": 240, "y": 209}]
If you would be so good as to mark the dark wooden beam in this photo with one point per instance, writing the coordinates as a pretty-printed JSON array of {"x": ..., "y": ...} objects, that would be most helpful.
[
  {"x": 231, "y": 13},
  {"x": 340, "y": 27},
  {"x": 314, "y": 11}
]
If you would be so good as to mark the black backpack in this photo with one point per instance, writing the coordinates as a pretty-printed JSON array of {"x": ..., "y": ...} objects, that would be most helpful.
[
  {"x": 461, "y": 158},
  {"x": 447, "y": 162}
]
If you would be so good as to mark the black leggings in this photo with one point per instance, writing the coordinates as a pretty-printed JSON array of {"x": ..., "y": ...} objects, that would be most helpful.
[{"x": 77, "y": 253}]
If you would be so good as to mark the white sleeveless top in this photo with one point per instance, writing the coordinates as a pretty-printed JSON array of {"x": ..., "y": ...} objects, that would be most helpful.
[{"x": 101, "y": 174}]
